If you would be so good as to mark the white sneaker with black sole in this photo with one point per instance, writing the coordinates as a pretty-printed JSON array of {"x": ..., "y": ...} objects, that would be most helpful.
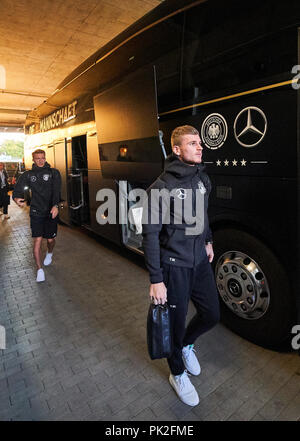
[
  {"x": 184, "y": 389},
  {"x": 190, "y": 360},
  {"x": 48, "y": 259},
  {"x": 40, "y": 276}
]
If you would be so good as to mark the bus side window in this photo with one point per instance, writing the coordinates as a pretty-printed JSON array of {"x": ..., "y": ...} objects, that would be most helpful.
[{"x": 222, "y": 52}]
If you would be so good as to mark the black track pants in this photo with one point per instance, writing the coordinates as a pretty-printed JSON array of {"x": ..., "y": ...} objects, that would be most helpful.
[{"x": 183, "y": 284}]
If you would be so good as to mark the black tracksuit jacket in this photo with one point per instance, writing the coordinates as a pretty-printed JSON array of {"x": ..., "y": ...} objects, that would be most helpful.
[
  {"x": 4, "y": 198},
  {"x": 45, "y": 184},
  {"x": 168, "y": 243}
]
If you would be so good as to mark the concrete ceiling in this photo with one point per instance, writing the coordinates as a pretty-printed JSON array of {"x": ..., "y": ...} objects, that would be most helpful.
[{"x": 41, "y": 42}]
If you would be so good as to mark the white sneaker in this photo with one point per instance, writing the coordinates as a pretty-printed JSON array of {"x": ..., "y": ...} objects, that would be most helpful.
[
  {"x": 184, "y": 389},
  {"x": 190, "y": 360},
  {"x": 40, "y": 277},
  {"x": 48, "y": 259}
]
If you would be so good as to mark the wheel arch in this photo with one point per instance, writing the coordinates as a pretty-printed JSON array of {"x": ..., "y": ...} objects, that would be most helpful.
[
  {"x": 281, "y": 307},
  {"x": 248, "y": 225}
]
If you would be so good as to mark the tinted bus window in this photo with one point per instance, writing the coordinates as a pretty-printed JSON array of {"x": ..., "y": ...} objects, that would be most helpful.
[
  {"x": 222, "y": 53},
  {"x": 168, "y": 61},
  {"x": 159, "y": 46}
]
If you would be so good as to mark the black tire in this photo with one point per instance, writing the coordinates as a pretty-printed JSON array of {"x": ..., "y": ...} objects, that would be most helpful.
[{"x": 273, "y": 329}]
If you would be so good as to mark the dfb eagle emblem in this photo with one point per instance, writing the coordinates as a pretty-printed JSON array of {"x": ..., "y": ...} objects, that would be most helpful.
[{"x": 214, "y": 131}]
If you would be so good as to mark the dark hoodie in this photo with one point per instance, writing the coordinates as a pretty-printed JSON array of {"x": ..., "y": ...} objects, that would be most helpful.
[
  {"x": 44, "y": 183},
  {"x": 168, "y": 242}
]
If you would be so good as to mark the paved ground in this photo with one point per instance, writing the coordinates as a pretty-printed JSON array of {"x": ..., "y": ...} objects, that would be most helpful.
[{"x": 76, "y": 347}]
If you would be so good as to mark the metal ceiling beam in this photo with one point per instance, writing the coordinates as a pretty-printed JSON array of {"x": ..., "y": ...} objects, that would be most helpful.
[
  {"x": 15, "y": 111},
  {"x": 23, "y": 93},
  {"x": 10, "y": 124}
]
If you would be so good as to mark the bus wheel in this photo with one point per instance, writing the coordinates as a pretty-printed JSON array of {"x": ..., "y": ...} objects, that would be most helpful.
[{"x": 255, "y": 296}]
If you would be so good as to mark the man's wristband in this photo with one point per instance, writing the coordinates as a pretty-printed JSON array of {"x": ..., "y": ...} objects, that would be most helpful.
[{"x": 209, "y": 242}]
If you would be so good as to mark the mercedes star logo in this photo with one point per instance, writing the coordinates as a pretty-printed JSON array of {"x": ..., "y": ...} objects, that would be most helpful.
[
  {"x": 250, "y": 126},
  {"x": 181, "y": 193}
]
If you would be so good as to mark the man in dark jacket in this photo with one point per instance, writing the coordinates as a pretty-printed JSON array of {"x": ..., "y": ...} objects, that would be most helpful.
[
  {"x": 4, "y": 187},
  {"x": 44, "y": 183},
  {"x": 178, "y": 252}
]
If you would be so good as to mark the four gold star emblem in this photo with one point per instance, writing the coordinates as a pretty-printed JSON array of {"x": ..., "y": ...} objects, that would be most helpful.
[{"x": 235, "y": 162}]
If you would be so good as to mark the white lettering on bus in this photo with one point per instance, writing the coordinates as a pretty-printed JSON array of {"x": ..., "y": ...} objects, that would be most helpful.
[{"x": 59, "y": 117}]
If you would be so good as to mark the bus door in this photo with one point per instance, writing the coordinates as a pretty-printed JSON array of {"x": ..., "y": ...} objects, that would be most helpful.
[
  {"x": 59, "y": 156},
  {"x": 94, "y": 177},
  {"x": 78, "y": 182},
  {"x": 130, "y": 147}
]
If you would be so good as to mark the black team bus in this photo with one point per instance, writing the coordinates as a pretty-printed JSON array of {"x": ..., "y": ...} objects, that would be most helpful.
[{"x": 230, "y": 69}]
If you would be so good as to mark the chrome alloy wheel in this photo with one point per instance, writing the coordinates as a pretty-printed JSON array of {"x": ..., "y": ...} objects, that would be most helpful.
[{"x": 242, "y": 285}]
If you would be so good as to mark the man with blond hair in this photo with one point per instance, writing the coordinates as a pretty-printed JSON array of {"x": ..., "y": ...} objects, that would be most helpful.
[
  {"x": 44, "y": 183},
  {"x": 178, "y": 255}
]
